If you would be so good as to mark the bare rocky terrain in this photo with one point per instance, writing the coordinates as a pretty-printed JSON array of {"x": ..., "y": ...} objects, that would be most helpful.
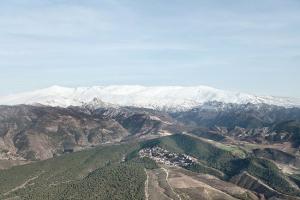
[{"x": 38, "y": 132}]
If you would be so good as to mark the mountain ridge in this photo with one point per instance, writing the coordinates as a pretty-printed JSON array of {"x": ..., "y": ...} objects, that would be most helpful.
[{"x": 154, "y": 97}]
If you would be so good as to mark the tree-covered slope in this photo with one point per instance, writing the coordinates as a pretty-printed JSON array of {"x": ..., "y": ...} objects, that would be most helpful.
[
  {"x": 120, "y": 181},
  {"x": 116, "y": 171},
  {"x": 50, "y": 178}
]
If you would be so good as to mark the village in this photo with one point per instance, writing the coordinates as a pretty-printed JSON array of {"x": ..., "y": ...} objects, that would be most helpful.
[{"x": 163, "y": 156}]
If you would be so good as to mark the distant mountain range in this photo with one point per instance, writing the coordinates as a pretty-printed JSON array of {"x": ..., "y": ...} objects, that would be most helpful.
[
  {"x": 176, "y": 98},
  {"x": 83, "y": 143}
]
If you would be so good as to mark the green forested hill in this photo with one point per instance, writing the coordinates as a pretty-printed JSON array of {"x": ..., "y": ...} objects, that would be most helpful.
[
  {"x": 55, "y": 176},
  {"x": 115, "y": 172}
]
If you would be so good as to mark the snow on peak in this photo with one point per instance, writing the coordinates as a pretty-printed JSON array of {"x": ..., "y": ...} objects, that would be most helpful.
[{"x": 156, "y": 97}]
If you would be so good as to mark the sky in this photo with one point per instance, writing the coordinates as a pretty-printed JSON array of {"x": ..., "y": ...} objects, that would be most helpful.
[{"x": 239, "y": 45}]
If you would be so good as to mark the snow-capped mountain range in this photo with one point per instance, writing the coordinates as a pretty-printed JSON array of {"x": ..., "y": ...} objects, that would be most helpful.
[{"x": 156, "y": 97}]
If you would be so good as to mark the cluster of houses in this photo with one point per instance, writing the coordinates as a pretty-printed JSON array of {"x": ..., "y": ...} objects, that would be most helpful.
[{"x": 163, "y": 156}]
